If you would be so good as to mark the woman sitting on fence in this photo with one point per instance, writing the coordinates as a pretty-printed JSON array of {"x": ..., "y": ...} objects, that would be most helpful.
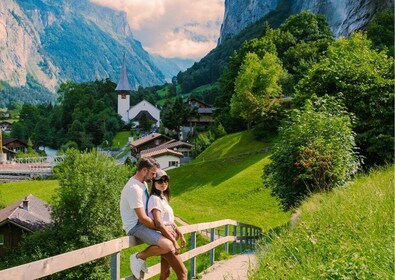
[{"x": 162, "y": 214}]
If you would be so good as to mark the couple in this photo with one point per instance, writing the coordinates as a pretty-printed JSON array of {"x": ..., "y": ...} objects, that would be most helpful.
[{"x": 151, "y": 219}]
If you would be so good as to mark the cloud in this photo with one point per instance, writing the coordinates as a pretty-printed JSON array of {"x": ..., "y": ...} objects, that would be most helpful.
[{"x": 173, "y": 28}]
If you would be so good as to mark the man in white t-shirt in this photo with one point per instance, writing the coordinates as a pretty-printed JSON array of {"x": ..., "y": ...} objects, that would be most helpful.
[{"x": 133, "y": 207}]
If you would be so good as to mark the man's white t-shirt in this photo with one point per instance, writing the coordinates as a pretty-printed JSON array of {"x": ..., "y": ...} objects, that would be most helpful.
[
  {"x": 132, "y": 196},
  {"x": 155, "y": 202}
]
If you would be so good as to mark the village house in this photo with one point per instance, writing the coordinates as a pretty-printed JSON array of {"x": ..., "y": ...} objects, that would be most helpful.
[
  {"x": 166, "y": 158},
  {"x": 204, "y": 120},
  {"x": 25, "y": 216},
  {"x": 168, "y": 152},
  {"x": 147, "y": 142},
  {"x": 12, "y": 145},
  {"x": 171, "y": 154}
]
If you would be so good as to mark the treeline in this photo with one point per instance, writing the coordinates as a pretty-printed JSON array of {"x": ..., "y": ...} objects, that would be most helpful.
[
  {"x": 211, "y": 67},
  {"x": 84, "y": 117},
  {"x": 32, "y": 93},
  {"x": 331, "y": 101}
]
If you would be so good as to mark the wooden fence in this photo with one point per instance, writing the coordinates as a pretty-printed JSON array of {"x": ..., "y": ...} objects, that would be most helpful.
[{"x": 243, "y": 235}]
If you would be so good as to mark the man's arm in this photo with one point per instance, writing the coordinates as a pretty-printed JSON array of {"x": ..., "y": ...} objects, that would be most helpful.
[{"x": 144, "y": 219}]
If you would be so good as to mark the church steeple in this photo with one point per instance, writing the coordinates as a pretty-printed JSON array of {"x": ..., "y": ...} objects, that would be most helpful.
[
  {"x": 123, "y": 84},
  {"x": 123, "y": 88}
]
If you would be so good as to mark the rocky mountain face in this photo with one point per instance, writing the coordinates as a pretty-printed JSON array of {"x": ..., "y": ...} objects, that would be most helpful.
[
  {"x": 344, "y": 16},
  {"x": 52, "y": 41}
]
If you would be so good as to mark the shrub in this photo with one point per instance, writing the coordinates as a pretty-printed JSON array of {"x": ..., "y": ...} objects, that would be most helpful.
[{"x": 315, "y": 152}]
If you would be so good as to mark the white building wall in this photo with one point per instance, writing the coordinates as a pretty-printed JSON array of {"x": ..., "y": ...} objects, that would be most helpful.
[
  {"x": 123, "y": 107},
  {"x": 165, "y": 159},
  {"x": 145, "y": 106}
]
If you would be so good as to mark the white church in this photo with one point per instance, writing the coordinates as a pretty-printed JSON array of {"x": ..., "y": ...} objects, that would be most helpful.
[{"x": 133, "y": 113}]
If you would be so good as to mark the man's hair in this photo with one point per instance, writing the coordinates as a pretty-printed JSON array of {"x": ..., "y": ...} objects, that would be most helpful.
[{"x": 146, "y": 163}]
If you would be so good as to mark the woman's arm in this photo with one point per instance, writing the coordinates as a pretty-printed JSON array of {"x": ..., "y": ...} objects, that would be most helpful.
[
  {"x": 179, "y": 233},
  {"x": 162, "y": 228}
]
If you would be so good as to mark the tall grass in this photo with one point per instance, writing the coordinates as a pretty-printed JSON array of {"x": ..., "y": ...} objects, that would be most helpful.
[{"x": 345, "y": 234}]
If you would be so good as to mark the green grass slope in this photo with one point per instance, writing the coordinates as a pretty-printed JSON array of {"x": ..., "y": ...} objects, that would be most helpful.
[
  {"x": 225, "y": 182},
  {"x": 344, "y": 234}
]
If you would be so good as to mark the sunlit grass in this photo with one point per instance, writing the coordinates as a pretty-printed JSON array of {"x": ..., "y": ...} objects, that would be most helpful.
[
  {"x": 13, "y": 192},
  {"x": 120, "y": 139},
  {"x": 344, "y": 234}
]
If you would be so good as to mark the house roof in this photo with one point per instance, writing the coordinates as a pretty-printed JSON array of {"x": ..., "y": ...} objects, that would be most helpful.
[
  {"x": 154, "y": 152},
  {"x": 37, "y": 216},
  {"x": 144, "y": 102},
  {"x": 147, "y": 139},
  {"x": 6, "y": 150},
  {"x": 198, "y": 101},
  {"x": 175, "y": 144},
  {"x": 205, "y": 110},
  {"x": 6, "y": 141}
]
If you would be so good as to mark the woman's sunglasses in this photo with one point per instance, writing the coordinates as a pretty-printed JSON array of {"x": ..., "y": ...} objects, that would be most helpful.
[{"x": 161, "y": 181}]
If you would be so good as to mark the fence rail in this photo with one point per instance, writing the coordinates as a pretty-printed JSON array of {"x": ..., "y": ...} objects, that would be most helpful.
[{"x": 248, "y": 234}]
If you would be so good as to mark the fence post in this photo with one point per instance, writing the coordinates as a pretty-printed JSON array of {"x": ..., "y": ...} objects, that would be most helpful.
[
  {"x": 193, "y": 260},
  {"x": 241, "y": 239},
  {"x": 212, "y": 251},
  {"x": 115, "y": 266},
  {"x": 234, "y": 242},
  {"x": 226, "y": 234}
]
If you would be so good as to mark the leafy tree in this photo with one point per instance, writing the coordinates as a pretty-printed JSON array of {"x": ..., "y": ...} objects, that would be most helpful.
[
  {"x": 315, "y": 152},
  {"x": 256, "y": 87},
  {"x": 307, "y": 26},
  {"x": 364, "y": 80},
  {"x": 381, "y": 31},
  {"x": 42, "y": 134},
  {"x": 175, "y": 113}
]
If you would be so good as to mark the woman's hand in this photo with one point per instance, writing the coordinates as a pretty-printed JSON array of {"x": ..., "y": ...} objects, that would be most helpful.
[
  {"x": 176, "y": 247},
  {"x": 183, "y": 242}
]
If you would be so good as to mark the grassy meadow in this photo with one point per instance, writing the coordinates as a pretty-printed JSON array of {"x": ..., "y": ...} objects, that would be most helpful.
[
  {"x": 12, "y": 192},
  {"x": 345, "y": 234}
]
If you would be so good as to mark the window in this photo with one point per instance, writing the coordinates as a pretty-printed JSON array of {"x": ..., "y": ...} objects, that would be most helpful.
[
  {"x": 173, "y": 163},
  {"x": 1, "y": 239}
]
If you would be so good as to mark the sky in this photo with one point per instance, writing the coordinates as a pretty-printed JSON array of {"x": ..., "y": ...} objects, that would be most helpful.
[{"x": 173, "y": 28}]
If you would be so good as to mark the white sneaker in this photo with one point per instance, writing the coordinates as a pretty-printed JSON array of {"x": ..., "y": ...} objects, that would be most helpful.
[
  {"x": 136, "y": 265},
  {"x": 144, "y": 267}
]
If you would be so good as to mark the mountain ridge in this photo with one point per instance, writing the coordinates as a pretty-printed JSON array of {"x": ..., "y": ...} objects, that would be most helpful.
[{"x": 57, "y": 41}]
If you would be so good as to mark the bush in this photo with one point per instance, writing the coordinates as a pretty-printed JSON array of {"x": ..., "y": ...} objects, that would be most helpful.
[
  {"x": 85, "y": 211},
  {"x": 315, "y": 152}
]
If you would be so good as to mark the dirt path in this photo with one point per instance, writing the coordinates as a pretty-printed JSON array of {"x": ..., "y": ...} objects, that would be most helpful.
[{"x": 236, "y": 268}]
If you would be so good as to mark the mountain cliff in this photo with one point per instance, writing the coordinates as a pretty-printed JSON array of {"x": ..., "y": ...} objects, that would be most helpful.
[
  {"x": 50, "y": 41},
  {"x": 344, "y": 16}
]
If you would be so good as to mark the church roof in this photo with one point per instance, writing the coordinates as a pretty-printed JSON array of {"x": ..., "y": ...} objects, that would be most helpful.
[
  {"x": 141, "y": 113},
  {"x": 123, "y": 84}
]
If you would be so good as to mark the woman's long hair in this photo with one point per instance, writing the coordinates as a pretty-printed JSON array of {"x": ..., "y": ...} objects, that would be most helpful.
[{"x": 155, "y": 191}]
